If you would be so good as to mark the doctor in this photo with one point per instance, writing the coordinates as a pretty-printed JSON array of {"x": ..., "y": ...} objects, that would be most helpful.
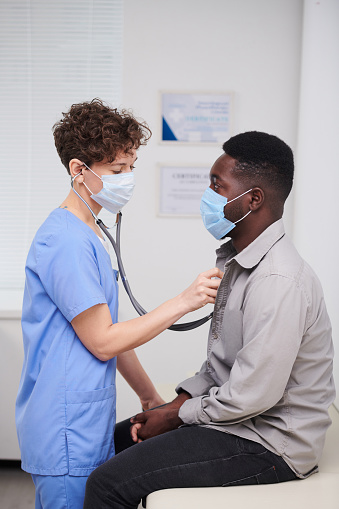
[{"x": 65, "y": 410}]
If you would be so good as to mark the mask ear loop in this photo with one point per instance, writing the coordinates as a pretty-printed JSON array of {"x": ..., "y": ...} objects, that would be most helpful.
[
  {"x": 235, "y": 222},
  {"x": 73, "y": 179},
  {"x": 240, "y": 195},
  {"x": 88, "y": 189},
  {"x": 92, "y": 171},
  {"x": 72, "y": 183}
]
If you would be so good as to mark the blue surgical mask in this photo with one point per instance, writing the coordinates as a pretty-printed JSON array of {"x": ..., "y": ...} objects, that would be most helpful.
[
  {"x": 116, "y": 190},
  {"x": 212, "y": 212}
]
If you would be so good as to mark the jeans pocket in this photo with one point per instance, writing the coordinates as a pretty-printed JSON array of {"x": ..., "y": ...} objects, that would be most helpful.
[{"x": 269, "y": 476}]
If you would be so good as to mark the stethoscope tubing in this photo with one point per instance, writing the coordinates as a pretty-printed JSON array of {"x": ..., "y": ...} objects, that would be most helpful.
[{"x": 139, "y": 309}]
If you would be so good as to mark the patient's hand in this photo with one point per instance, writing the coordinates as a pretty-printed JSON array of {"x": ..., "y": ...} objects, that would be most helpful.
[{"x": 154, "y": 422}]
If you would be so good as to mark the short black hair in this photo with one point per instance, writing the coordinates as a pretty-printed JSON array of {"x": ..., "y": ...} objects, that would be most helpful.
[{"x": 262, "y": 160}]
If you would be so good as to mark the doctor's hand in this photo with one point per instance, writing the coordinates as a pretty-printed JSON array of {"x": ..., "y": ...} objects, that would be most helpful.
[
  {"x": 154, "y": 422},
  {"x": 156, "y": 400},
  {"x": 202, "y": 291}
]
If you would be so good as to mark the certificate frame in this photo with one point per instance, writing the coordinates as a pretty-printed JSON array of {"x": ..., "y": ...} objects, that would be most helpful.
[
  {"x": 195, "y": 117},
  {"x": 181, "y": 187}
]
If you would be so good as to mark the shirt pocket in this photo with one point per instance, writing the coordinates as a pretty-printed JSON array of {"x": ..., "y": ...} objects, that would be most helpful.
[{"x": 90, "y": 422}]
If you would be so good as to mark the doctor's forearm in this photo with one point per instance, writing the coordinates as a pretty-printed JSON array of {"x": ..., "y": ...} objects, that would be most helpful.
[
  {"x": 128, "y": 335},
  {"x": 131, "y": 369},
  {"x": 106, "y": 340}
]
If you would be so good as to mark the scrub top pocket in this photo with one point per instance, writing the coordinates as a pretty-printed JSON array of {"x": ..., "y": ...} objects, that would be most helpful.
[{"x": 90, "y": 422}]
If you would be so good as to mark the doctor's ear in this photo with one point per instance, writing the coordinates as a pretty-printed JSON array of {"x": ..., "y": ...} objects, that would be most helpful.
[
  {"x": 257, "y": 198},
  {"x": 76, "y": 168}
]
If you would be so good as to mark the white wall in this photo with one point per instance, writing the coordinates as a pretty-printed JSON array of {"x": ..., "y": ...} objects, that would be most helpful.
[
  {"x": 251, "y": 47},
  {"x": 10, "y": 369},
  {"x": 317, "y": 178}
]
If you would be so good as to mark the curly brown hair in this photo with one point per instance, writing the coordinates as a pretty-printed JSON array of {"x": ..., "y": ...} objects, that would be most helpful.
[{"x": 94, "y": 132}]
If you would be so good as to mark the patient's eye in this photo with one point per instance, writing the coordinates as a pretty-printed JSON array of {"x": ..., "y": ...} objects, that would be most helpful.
[{"x": 215, "y": 184}]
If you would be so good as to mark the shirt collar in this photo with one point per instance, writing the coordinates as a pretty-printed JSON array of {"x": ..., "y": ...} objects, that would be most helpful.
[{"x": 254, "y": 252}]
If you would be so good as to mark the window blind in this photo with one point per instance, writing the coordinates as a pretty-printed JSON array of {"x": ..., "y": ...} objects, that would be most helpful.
[{"x": 53, "y": 54}]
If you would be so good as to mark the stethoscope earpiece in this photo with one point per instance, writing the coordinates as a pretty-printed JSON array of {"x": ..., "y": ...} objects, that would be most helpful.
[{"x": 77, "y": 175}]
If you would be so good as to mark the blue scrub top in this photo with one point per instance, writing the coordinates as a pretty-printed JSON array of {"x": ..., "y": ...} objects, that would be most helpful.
[{"x": 65, "y": 409}]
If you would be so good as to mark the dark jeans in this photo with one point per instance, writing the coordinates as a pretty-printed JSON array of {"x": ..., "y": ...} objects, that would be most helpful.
[{"x": 191, "y": 456}]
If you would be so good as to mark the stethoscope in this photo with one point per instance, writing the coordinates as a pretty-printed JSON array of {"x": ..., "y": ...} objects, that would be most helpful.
[{"x": 116, "y": 246}]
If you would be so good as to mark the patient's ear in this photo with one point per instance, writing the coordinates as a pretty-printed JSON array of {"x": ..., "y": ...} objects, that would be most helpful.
[{"x": 257, "y": 198}]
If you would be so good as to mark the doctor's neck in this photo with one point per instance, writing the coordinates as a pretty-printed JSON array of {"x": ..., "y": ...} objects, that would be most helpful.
[{"x": 77, "y": 207}]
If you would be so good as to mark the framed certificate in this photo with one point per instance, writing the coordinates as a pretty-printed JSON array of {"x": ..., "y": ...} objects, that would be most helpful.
[
  {"x": 196, "y": 117},
  {"x": 181, "y": 189}
]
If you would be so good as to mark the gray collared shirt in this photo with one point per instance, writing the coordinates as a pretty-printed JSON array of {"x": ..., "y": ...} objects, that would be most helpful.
[{"x": 268, "y": 373}]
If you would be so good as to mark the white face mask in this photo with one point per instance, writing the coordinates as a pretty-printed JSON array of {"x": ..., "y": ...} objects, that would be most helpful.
[{"x": 116, "y": 191}]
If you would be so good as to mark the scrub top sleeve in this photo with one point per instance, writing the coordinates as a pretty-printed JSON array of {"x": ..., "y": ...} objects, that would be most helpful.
[{"x": 69, "y": 271}]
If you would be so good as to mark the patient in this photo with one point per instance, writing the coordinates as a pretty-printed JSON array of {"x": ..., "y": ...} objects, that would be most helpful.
[{"x": 257, "y": 411}]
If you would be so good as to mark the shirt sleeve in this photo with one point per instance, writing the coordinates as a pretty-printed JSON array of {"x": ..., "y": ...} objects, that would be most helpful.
[
  {"x": 198, "y": 384},
  {"x": 68, "y": 269},
  {"x": 274, "y": 318}
]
